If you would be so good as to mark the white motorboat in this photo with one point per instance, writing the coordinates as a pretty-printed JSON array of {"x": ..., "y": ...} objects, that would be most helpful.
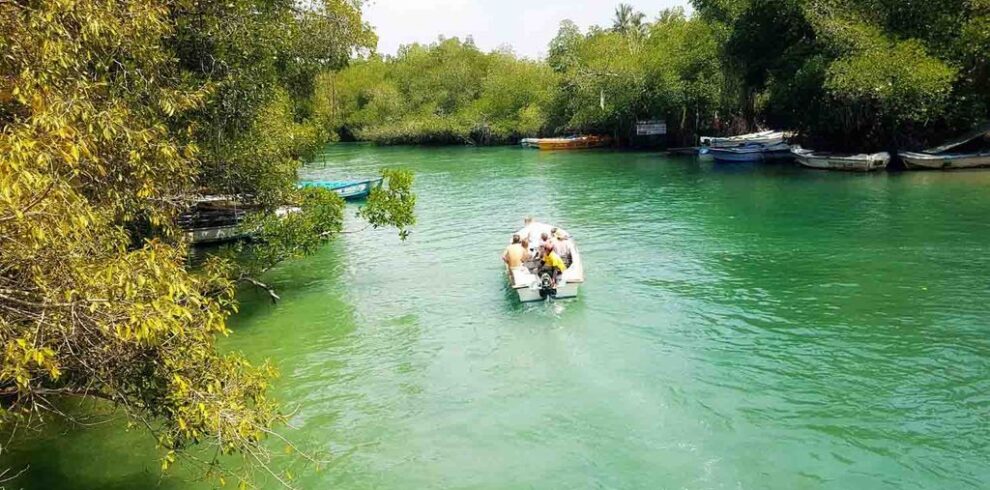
[
  {"x": 530, "y": 286},
  {"x": 768, "y": 138},
  {"x": 849, "y": 163}
]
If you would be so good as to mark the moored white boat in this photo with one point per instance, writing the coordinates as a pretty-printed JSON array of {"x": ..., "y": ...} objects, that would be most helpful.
[
  {"x": 947, "y": 161},
  {"x": 531, "y": 287},
  {"x": 849, "y": 163},
  {"x": 763, "y": 138},
  {"x": 968, "y": 151},
  {"x": 752, "y": 153}
]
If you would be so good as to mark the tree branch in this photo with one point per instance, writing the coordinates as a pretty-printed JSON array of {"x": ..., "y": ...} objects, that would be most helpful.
[{"x": 271, "y": 291}]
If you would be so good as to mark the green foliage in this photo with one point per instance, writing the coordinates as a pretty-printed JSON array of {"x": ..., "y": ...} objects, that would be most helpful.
[
  {"x": 628, "y": 22},
  {"x": 109, "y": 111},
  {"x": 393, "y": 203},
  {"x": 609, "y": 79},
  {"x": 856, "y": 74},
  {"x": 296, "y": 231},
  {"x": 309, "y": 219},
  {"x": 899, "y": 80},
  {"x": 447, "y": 92}
]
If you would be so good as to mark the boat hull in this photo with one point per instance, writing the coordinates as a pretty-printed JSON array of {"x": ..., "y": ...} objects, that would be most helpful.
[
  {"x": 529, "y": 295},
  {"x": 349, "y": 190},
  {"x": 581, "y": 143},
  {"x": 768, "y": 138},
  {"x": 851, "y": 163},
  {"x": 924, "y": 161},
  {"x": 751, "y": 154},
  {"x": 215, "y": 235}
]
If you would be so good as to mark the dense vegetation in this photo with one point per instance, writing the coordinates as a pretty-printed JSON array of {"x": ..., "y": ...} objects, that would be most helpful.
[
  {"x": 449, "y": 92},
  {"x": 111, "y": 114},
  {"x": 846, "y": 74}
]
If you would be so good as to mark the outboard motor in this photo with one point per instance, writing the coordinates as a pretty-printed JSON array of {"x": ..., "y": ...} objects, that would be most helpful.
[{"x": 547, "y": 289}]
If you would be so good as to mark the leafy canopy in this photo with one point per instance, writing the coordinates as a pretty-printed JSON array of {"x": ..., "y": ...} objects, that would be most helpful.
[{"x": 110, "y": 113}]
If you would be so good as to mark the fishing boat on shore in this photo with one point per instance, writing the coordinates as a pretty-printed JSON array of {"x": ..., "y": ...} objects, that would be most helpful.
[
  {"x": 969, "y": 151},
  {"x": 848, "y": 163},
  {"x": 348, "y": 189},
  {"x": 530, "y": 285},
  {"x": 753, "y": 152},
  {"x": 571, "y": 143},
  {"x": 768, "y": 138}
]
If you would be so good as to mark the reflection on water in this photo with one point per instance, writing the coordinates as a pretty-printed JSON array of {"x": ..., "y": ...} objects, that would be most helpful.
[{"x": 741, "y": 327}]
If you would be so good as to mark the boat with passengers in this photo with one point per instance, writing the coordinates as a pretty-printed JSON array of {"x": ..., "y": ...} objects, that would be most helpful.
[{"x": 532, "y": 284}]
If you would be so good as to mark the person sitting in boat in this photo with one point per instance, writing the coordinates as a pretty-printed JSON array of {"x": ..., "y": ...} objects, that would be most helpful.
[
  {"x": 541, "y": 247},
  {"x": 552, "y": 264},
  {"x": 534, "y": 231},
  {"x": 563, "y": 247},
  {"x": 515, "y": 254}
]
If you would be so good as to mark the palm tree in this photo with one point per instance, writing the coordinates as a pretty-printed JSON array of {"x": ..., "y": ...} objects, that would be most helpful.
[{"x": 628, "y": 21}]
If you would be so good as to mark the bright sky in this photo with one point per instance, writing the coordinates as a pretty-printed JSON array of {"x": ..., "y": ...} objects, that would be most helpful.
[{"x": 526, "y": 25}]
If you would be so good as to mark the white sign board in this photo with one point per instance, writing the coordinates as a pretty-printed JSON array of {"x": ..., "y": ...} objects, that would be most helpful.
[{"x": 651, "y": 128}]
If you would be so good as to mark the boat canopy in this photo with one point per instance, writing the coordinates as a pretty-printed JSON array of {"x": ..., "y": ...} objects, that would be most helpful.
[{"x": 981, "y": 132}]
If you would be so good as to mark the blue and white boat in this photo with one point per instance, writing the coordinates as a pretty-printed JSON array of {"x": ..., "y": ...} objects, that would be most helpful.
[
  {"x": 753, "y": 152},
  {"x": 348, "y": 189}
]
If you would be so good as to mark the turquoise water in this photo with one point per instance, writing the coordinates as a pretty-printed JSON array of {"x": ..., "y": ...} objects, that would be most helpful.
[{"x": 742, "y": 327}]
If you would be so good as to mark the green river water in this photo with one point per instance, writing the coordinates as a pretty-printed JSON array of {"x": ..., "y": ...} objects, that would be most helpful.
[{"x": 742, "y": 327}]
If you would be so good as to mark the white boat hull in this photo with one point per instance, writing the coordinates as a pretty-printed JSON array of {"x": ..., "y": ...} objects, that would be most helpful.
[
  {"x": 768, "y": 138},
  {"x": 924, "y": 161},
  {"x": 851, "y": 163},
  {"x": 752, "y": 153},
  {"x": 529, "y": 294},
  {"x": 217, "y": 234}
]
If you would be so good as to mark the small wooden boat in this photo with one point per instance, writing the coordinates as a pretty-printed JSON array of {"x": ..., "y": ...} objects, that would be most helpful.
[
  {"x": 348, "y": 189},
  {"x": 968, "y": 151},
  {"x": 530, "y": 286},
  {"x": 574, "y": 143},
  {"x": 752, "y": 153},
  {"x": 763, "y": 138},
  {"x": 849, "y": 163},
  {"x": 945, "y": 161}
]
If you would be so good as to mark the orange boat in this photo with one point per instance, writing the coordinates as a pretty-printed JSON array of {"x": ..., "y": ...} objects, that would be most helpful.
[{"x": 575, "y": 143}]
